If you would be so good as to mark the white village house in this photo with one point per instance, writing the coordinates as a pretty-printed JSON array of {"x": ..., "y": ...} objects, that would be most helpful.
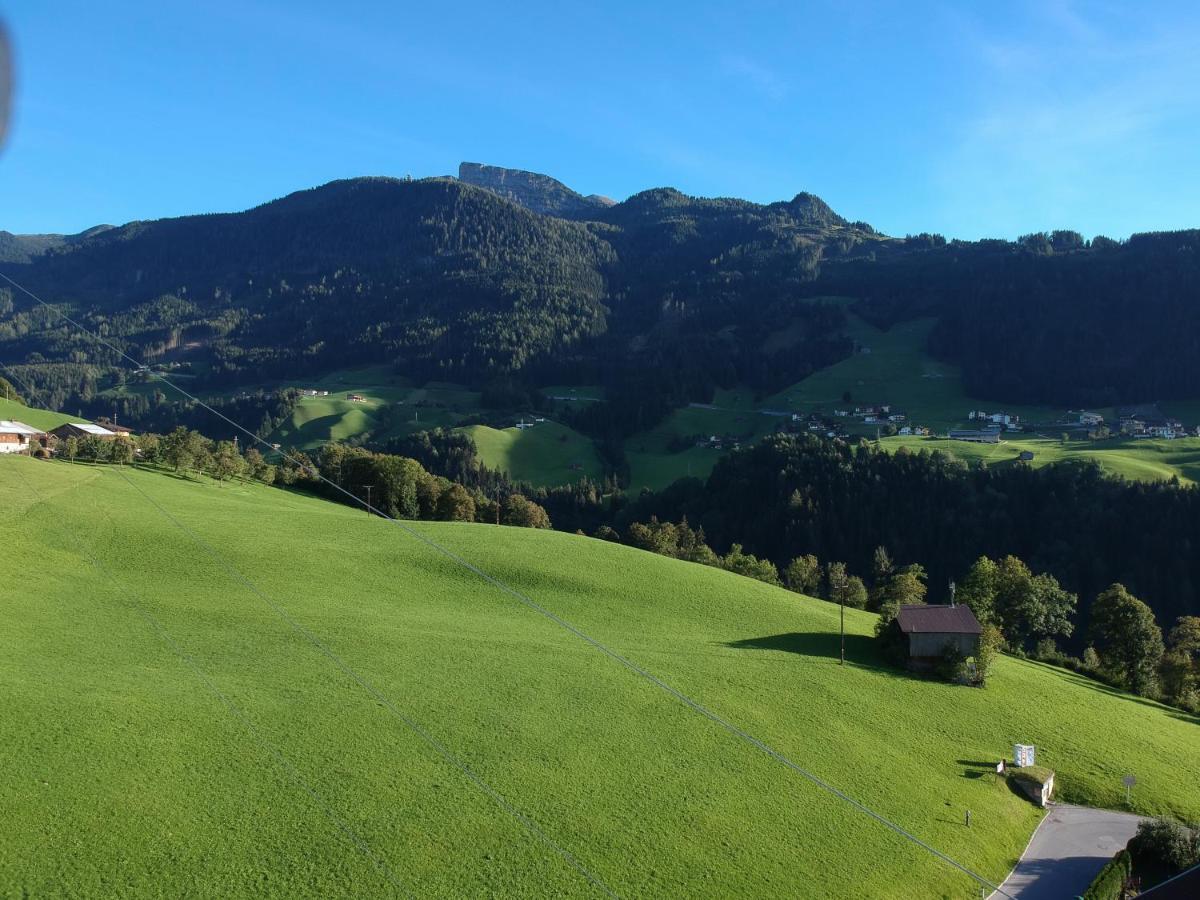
[
  {"x": 997, "y": 418},
  {"x": 15, "y": 437}
]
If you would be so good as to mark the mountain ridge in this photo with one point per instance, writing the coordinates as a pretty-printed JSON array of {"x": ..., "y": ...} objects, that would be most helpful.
[
  {"x": 533, "y": 190},
  {"x": 455, "y": 281}
]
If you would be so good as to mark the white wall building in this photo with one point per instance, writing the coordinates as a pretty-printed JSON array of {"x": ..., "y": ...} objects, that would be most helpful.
[{"x": 15, "y": 436}]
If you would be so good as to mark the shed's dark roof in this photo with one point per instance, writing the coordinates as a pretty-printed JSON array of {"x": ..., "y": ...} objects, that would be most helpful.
[{"x": 923, "y": 619}]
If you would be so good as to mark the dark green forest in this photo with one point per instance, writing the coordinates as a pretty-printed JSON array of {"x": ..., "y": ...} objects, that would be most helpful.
[
  {"x": 661, "y": 298},
  {"x": 443, "y": 280}
]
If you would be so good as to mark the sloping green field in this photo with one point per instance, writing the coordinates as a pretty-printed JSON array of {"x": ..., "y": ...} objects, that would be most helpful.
[
  {"x": 392, "y": 407},
  {"x": 38, "y": 418},
  {"x": 122, "y": 774},
  {"x": 1137, "y": 460},
  {"x": 733, "y": 414},
  {"x": 894, "y": 367},
  {"x": 546, "y": 454}
]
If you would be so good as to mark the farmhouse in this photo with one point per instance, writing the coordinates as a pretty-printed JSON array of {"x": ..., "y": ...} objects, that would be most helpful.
[
  {"x": 114, "y": 427},
  {"x": 15, "y": 437},
  {"x": 929, "y": 630},
  {"x": 975, "y": 436},
  {"x": 356, "y": 398},
  {"x": 82, "y": 430}
]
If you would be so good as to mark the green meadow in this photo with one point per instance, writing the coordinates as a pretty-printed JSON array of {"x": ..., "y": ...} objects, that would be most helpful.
[
  {"x": 893, "y": 367},
  {"x": 733, "y": 414},
  {"x": 392, "y": 406},
  {"x": 38, "y": 418},
  {"x": 124, "y": 775},
  {"x": 1135, "y": 459},
  {"x": 546, "y": 454}
]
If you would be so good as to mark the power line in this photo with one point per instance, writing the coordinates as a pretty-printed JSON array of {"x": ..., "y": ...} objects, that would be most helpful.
[
  {"x": 236, "y": 711},
  {"x": 553, "y": 617},
  {"x": 448, "y": 755}
]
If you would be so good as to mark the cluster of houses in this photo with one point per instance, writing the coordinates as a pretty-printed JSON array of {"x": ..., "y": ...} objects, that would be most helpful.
[
  {"x": 987, "y": 427},
  {"x": 872, "y": 414},
  {"x": 313, "y": 392},
  {"x": 17, "y": 437},
  {"x": 881, "y": 414},
  {"x": 1143, "y": 421},
  {"x": 987, "y": 419},
  {"x": 522, "y": 425},
  {"x": 719, "y": 442},
  {"x": 1148, "y": 421}
]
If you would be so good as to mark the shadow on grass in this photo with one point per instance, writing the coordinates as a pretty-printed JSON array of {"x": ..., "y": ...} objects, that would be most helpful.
[
  {"x": 861, "y": 650},
  {"x": 1076, "y": 678},
  {"x": 979, "y": 768}
]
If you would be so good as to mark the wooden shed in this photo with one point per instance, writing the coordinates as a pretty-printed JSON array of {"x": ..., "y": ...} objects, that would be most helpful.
[{"x": 928, "y": 630}]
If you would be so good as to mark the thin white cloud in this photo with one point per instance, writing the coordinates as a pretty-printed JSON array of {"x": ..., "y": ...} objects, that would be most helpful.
[
  {"x": 1075, "y": 109},
  {"x": 755, "y": 75}
]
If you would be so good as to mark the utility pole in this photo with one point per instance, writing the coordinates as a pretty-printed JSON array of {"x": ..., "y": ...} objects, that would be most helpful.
[
  {"x": 842, "y": 604},
  {"x": 368, "y": 487},
  {"x": 953, "y": 589}
]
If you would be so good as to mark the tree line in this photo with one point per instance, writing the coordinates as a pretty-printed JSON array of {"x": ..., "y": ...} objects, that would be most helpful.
[{"x": 400, "y": 487}]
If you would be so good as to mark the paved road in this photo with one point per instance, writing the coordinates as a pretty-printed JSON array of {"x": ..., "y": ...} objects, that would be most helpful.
[{"x": 1069, "y": 848}]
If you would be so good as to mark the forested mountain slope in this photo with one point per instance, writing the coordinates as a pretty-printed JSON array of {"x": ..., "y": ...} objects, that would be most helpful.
[
  {"x": 446, "y": 279},
  {"x": 662, "y": 297}
]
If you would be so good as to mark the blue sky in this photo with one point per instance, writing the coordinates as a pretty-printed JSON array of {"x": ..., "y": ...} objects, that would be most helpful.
[{"x": 968, "y": 119}]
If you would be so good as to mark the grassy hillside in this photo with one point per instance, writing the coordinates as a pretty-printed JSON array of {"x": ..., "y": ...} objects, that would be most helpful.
[
  {"x": 733, "y": 416},
  {"x": 898, "y": 370},
  {"x": 38, "y": 418},
  {"x": 547, "y": 454},
  {"x": 1137, "y": 460},
  {"x": 893, "y": 367},
  {"x": 122, "y": 775},
  {"x": 393, "y": 406}
]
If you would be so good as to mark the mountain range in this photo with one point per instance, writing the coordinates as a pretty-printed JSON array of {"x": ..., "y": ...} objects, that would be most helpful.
[{"x": 503, "y": 275}]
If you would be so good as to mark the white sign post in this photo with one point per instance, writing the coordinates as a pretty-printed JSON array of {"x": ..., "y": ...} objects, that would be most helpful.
[{"x": 1023, "y": 755}]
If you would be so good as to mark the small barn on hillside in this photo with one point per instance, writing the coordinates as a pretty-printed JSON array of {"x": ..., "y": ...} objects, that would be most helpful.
[
  {"x": 82, "y": 430},
  {"x": 927, "y": 631},
  {"x": 16, "y": 437}
]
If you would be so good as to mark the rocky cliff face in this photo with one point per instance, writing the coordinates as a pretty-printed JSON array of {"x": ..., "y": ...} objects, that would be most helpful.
[{"x": 540, "y": 193}]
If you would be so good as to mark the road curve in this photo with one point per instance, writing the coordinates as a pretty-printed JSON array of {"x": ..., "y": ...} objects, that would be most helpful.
[{"x": 1067, "y": 851}]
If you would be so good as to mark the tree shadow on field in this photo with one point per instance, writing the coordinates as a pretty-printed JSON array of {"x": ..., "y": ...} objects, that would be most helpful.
[
  {"x": 861, "y": 650},
  {"x": 1082, "y": 680},
  {"x": 978, "y": 768}
]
